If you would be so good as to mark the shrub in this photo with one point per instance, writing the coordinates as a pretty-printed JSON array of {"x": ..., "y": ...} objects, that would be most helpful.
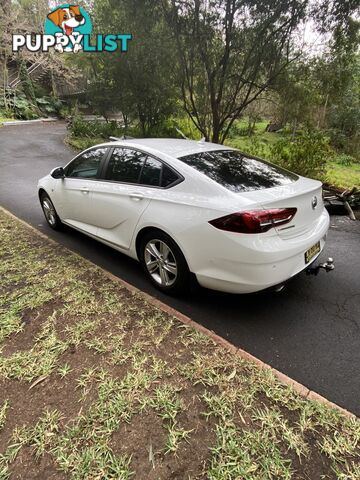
[
  {"x": 79, "y": 127},
  {"x": 239, "y": 130},
  {"x": 49, "y": 105},
  {"x": 164, "y": 129},
  {"x": 344, "y": 159},
  {"x": 185, "y": 125},
  {"x": 26, "y": 83},
  {"x": 82, "y": 143},
  {"x": 251, "y": 145},
  {"x": 257, "y": 148},
  {"x": 306, "y": 155},
  {"x": 24, "y": 109},
  {"x": 19, "y": 106},
  {"x": 6, "y": 113},
  {"x": 344, "y": 123}
]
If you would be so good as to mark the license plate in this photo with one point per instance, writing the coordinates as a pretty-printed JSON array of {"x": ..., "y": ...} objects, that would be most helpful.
[{"x": 314, "y": 250}]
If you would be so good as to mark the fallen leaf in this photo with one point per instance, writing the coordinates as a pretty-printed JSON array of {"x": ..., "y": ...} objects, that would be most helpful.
[
  {"x": 232, "y": 375},
  {"x": 37, "y": 381},
  {"x": 151, "y": 456}
]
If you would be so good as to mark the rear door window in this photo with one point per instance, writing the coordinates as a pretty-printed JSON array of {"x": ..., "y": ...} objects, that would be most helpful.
[
  {"x": 238, "y": 172},
  {"x": 125, "y": 165}
]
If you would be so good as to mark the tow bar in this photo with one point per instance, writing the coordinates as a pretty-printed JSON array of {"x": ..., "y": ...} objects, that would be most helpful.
[{"x": 328, "y": 266}]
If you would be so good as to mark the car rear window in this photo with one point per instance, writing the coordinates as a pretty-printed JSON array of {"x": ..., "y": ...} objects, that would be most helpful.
[{"x": 238, "y": 172}]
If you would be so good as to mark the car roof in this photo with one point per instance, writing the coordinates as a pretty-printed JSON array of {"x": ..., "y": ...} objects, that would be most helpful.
[{"x": 174, "y": 147}]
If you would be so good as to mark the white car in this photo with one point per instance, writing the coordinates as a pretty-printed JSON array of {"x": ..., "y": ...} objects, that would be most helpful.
[{"x": 238, "y": 223}]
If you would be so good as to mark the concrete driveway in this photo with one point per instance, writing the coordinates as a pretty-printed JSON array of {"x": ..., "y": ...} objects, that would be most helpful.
[{"x": 311, "y": 331}]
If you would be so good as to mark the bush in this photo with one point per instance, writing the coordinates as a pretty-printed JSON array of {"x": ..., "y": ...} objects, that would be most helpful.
[
  {"x": 306, "y": 155},
  {"x": 81, "y": 128},
  {"x": 344, "y": 123},
  {"x": 6, "y": 113},
  {"x": 82, "y": 143},
  {"x": 24, "y": 109},
  {"x": 257, "y": 148},
  {"x": 344, "y": 159},
  {"x": 238, "y": 130},
  {"x": 49, "y": 105},
  {"x": 175, "y": 125},
  {"x": 252, "y": 145},
  {"x": 19, "y": 106},
  {"x": 94, "y": 128}
]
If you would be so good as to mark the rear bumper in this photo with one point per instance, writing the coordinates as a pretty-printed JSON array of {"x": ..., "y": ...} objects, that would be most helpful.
[{"x": 246, "y": 266}]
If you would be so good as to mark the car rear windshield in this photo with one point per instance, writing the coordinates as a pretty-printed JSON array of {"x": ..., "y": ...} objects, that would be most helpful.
[{"x": 238, "y": 172}]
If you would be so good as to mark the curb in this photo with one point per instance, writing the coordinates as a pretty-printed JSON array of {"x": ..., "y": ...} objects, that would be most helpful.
[
  {"x": 25, "y": 122},
  {"x": 302, "y": 390}
]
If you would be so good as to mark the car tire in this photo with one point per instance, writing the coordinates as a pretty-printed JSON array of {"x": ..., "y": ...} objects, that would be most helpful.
[
  {"x": 52, "y": 218},
  {"x": 164, "y": 263}
]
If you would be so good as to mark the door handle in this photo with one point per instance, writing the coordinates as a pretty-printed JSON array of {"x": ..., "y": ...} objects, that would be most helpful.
[
  {"x": 84, "y": 190},
  {"x": 136, "y": 196}
]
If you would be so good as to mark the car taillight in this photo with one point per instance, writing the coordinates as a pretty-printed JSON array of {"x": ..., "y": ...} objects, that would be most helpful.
[{"x": 254, "y": 221}]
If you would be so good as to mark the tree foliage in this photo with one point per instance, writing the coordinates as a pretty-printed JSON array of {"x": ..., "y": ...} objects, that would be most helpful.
[
  {"x": 306, "y": 155},
  {"x": 210, "y": 62},
  {"x": 229, "y": 53},
  {"x": 139, "y": 83}
]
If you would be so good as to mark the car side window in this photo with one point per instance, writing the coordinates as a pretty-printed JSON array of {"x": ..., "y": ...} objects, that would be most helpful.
[
  {"x": 125, "y": 165},
  {"x": 86, "y": 165},
  {"x": 156, "y": 174},
  {"x": 168, "y": 177},
  {"x": 151, "y": 172}
]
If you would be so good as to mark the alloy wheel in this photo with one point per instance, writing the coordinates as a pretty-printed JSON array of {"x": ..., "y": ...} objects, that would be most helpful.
[
  {"x": 49, "y": 211},
  {"x": 160, "y": 262}
]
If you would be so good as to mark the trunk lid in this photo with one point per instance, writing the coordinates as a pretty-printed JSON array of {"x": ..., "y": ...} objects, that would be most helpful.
[{"x": 304, "y": 194}]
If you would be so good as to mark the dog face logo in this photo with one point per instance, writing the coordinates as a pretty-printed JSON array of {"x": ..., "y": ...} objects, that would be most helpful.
[
  {"x": 67, "y": 18},
  {"x": 68, "y": 23}
]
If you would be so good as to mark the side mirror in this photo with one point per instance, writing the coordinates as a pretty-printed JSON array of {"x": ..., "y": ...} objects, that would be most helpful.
[{"x": 58, "y": 172}]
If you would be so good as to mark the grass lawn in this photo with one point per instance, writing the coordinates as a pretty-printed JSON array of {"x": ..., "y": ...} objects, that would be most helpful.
[
  {"x": 343, "y": 176},
  {"x": 261, "y": 141},
  {"x": 95, "y": 383}
]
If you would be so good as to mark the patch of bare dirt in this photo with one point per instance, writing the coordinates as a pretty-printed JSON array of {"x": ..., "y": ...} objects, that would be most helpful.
[
  {"x": 32, "y": 320},
  {"x": 27, "y": 467}
]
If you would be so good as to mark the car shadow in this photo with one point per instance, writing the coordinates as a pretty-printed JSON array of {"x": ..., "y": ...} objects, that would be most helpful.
[{"x": 254, "y": 308}]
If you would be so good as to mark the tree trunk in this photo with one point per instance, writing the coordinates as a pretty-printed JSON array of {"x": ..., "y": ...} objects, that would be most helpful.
[
  {"x": 324, "y": 110},
  {"x": 216, "y": 126},
  {"x": 53, "y": 84},
  {"x": 5, "y": 78},
  {"x": 215, "y": 137}
]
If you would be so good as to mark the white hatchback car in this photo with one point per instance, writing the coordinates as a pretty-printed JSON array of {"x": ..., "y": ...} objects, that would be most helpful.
[{"x": 239, "y": 223}]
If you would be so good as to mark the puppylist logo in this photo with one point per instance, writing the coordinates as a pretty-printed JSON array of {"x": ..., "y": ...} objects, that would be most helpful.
[{"x": 68, "y": 28}]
